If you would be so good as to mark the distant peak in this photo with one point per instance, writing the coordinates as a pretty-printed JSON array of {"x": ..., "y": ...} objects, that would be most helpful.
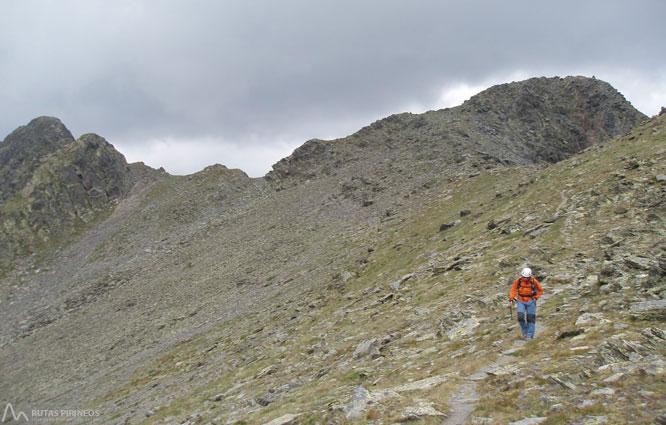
[{"x": 44, "y": 131}]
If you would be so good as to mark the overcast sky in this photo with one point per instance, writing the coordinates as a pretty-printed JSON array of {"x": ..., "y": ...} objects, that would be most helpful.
[{"x": 188, "y": 83}]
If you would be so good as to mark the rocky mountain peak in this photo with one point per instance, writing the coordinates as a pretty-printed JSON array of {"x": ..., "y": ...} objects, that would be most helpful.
[
  {"x": 41, "y": 131},
  {"x": 49, "y": 182},
  {"x": 528, "y": 122},
  {"x": 595, "y": 106},
  {"x": 25, "y": 148}
]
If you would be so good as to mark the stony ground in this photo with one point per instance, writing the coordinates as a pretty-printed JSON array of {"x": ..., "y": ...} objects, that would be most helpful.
[
  {"x": 419, "y": 322},
  {"x": 364, "y": 298}
]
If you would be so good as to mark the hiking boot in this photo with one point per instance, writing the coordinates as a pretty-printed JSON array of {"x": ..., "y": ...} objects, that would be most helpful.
[
  {"x": 529, "y": 337},
  {"x": 523, "y": 336}
]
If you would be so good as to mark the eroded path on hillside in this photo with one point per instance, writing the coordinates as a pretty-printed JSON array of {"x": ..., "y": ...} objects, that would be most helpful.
[{"x": 465, "y": 399}]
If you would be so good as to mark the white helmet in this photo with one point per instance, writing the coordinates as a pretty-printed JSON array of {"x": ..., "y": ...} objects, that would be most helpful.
[{"x": 527, "y": 272}]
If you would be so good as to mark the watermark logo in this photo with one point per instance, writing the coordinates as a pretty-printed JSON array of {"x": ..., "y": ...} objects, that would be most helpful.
[
  {"x": 45, "y": 415},
  {"x": 15, "y": 416}
]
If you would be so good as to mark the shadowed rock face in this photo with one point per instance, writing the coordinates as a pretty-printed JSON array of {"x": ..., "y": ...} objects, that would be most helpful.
[{"x": 25, "y": 149}]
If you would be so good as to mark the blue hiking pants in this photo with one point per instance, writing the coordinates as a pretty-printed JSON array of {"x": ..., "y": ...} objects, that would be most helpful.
[{"x": 526, "y": 312}]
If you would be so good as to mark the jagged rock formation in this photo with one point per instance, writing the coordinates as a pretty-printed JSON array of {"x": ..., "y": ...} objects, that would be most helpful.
[
  {"x": 371, "y": 285},
  {"x": 51, "y": 182},
  {"x": 24, "y": 150}
]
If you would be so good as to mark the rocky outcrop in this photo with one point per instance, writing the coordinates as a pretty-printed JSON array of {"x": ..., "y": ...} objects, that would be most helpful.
[
  {"x": 53, "y": 183},
  {"x": 25, "y": 149},
  {"x": 548, "y": 119}
]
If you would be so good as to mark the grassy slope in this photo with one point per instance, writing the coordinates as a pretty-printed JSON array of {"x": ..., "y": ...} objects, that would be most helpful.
[{"x": 310, "y": 343}]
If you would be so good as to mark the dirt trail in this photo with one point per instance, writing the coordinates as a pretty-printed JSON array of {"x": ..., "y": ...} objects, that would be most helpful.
[{"x": 466, "y": 398}]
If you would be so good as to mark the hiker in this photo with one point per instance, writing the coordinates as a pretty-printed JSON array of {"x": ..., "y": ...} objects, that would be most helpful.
[{"x": 527, "y": 289}]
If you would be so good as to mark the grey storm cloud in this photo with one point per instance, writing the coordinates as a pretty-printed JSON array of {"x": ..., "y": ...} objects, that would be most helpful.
[{"x": 269, "y": 73}]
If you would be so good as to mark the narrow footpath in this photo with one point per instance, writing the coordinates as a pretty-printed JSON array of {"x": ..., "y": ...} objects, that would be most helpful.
[{"x": 466, "y": 398}]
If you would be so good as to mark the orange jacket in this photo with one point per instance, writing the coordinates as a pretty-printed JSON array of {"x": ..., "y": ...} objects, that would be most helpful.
[{"x": 523, "y": 290}]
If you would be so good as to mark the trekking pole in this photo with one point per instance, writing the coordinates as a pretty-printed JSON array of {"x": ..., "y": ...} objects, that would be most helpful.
[{"x": 511, "y": 309}]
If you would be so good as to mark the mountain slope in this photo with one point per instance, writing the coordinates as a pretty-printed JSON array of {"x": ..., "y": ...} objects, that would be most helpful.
[
  {"x": 218, "y": 283},
  {"x": 398, "y": 333}
]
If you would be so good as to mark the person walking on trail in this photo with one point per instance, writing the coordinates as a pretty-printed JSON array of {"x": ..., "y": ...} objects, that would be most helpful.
[{"x": 526, "y": 290}]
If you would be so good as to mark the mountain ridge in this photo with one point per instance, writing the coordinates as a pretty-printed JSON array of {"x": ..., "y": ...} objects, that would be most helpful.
[
  {"x": 227, "y": 299},
  {"x": 559, "y": 117}
]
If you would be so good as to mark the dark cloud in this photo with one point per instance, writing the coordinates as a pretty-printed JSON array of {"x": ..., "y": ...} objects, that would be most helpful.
[{"x": 239, "y": 73}]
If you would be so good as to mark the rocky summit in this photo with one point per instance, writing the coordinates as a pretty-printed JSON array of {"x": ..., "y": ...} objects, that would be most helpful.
[
  {"x": 362, "y": 281},
  {"x": 51, "y": 184}
]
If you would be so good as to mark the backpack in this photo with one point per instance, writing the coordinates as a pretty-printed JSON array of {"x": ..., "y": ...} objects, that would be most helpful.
[{"x": 523, "y": 287}]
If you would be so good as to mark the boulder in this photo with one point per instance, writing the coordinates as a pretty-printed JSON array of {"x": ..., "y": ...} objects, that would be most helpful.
[
  {"x": 603, "y": 391},
  {"x": 396, "y": 285},
  {"x": 372, "y": 347},
  {"x": 589, "y": 319},
  {"x": 266, "y": 399},
  {"x": 570, "y": 333},
  {"x": 493, "y": 224},
  {"x": 455, "y": 263},
  {"x": 345, "y": 276},
  {"x": 464, "y": 328},
  {"x": 422, "y": 409},
  {"x": 360, "y": 400},
  {"x": 608, "y": 271},
  {"x": 446, "y": 226}
]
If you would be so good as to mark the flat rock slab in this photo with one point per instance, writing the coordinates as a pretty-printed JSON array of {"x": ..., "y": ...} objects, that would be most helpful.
[
  {"x": 591, "y": 420},
  {"x": 512, "y": 350},
  {"x": 423, "y": 384},
  {"x": 283, "y": 420},
  {"x": 653, "y": 309},
  {"x": 362, "y": 398},
  {"x": 478, "y": 376},
  {"x": 529, "y": 421}
]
